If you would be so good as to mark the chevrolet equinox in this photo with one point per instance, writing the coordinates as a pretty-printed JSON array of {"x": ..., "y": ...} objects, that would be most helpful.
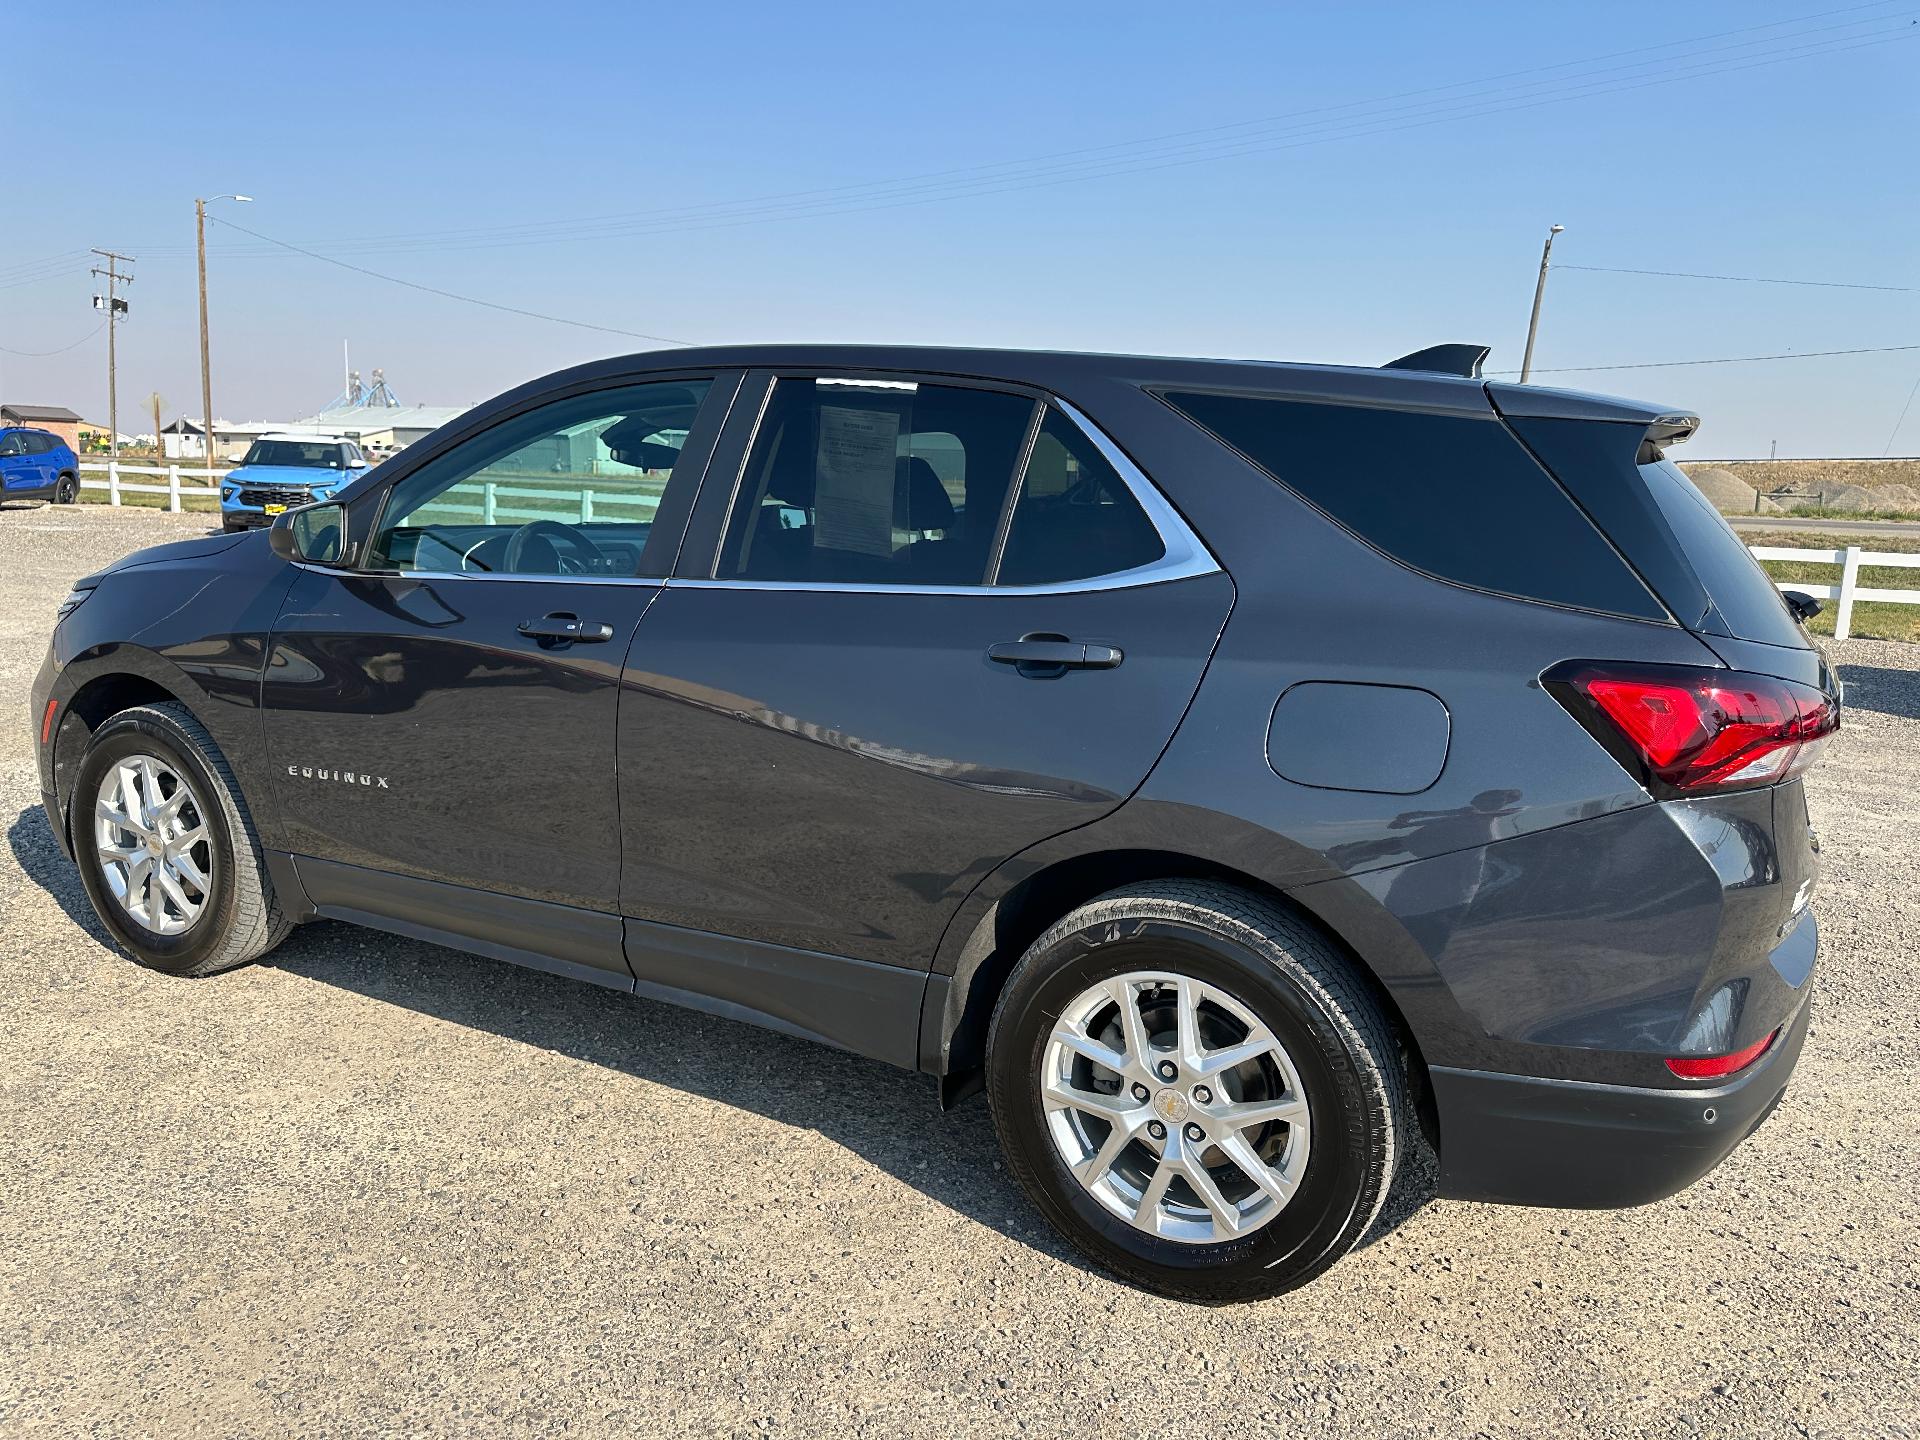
[{"x": 1237, "y": 770}]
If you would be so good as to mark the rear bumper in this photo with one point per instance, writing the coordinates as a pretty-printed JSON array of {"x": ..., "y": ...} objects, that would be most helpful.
[{"x": 1521, "y": 1140}]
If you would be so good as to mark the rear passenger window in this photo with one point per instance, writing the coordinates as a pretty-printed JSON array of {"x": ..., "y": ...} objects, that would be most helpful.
[
  {"x": 1075, "y": 517},
  {"x": 875, "y": 482},
  {"x": 1456, "y": 497}
]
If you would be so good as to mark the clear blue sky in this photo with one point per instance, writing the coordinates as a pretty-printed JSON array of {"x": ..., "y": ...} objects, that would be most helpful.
[{"x": 351, "y": 125}]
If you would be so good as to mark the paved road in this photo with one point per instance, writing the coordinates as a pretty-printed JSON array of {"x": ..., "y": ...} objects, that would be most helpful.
[
  {"x": 1852, "y": 529},
  {"x": 378, "y": 1188}
]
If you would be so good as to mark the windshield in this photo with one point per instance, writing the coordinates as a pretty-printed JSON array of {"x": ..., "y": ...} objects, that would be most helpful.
[{"x": 308, "y": 454}]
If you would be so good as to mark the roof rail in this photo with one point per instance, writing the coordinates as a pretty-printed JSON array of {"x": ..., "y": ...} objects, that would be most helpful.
[{"x": 1444, "y": 360}]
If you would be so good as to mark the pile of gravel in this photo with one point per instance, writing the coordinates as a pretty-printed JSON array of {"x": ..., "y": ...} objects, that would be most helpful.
[{"x": 1729, "y": 494}]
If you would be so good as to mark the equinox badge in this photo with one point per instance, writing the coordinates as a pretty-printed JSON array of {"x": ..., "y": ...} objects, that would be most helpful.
[{"x": 345, "y": 777}]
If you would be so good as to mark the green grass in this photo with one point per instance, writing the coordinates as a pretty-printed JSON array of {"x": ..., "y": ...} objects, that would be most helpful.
[{"x": 1873, "y": 619}]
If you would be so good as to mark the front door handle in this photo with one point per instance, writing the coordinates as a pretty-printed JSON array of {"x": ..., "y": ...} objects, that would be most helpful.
[
  {"x": 1040, "y": 656},
  {"x": 560, "y": 628}
]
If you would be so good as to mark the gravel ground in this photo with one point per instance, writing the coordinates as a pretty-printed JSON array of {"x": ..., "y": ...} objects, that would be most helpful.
[{"x": 373, "y": 1187}]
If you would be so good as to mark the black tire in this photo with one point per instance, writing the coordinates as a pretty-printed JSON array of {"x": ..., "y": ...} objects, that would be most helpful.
[
  {"x": 242, "y": 919},
  {"x": 1269, "y": 960},
  {"x": 66, "y": 489}
]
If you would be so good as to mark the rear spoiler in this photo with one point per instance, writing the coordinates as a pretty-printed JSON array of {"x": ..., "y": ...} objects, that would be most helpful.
[
  {"x": 1659, "y": 426},
  {"x": 1663, "y": 427}
]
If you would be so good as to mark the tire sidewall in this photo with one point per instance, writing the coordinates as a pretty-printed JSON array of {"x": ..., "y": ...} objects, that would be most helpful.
[
  {"x": 1309, "y": 1233},
  {"x": 144, "y": 732},
  {"x": 66, "y": 490}
]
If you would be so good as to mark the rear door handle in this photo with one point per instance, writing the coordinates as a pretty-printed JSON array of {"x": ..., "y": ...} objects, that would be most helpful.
[
  {"x": 561, "y": 627},
  {"x": 1042, "y": 655}
]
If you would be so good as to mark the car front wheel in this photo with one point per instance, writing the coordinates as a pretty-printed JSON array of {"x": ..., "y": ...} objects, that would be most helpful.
[
  {"x": 1198, "y": 1091},
  {"x": 66, "y": 489},
  {"x": 166, "y": 846}
]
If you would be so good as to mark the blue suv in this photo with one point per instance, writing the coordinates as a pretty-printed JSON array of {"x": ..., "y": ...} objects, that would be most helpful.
[
  {"x": 37, "y": 465},
  {"x": 281, "y": 471}
]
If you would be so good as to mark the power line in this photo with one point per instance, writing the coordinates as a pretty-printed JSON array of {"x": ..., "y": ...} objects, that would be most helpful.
[
  {"x": 1724, "y": 360},
  {"x": 42, "y": 354},
  {"x": 1161, "y": 152},
  {"x": 447, "y": 294},
  {"x": 65, "y": 268},
  {"x": 1750, "y": 279},
  {"x": 21, "y": 267}
]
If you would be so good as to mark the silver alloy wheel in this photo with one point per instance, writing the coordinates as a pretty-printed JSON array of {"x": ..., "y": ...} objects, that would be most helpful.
[
  {"x": 1175, "y": 1107},
  {"x": 155, "y": 850}
]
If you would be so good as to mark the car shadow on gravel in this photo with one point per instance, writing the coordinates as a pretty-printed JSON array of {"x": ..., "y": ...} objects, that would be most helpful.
[
  {"x": 38, "y": 854},
  {"x": 889, "y": 1117},
  {"x": 1881, "y": 688}
]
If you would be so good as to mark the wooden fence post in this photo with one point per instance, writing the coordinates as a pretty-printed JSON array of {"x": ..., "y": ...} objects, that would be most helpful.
[
  {"x": 586, "y": 505},
  {"x": 1849, "y": 578},
  {"x": 173, "y": 488},
  {"x": 489, "y": 503},
  {"x": 113, "y": 482}
]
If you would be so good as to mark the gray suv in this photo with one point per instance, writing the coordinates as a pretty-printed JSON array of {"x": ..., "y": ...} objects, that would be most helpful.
[{"x": 1235, "y": 770}]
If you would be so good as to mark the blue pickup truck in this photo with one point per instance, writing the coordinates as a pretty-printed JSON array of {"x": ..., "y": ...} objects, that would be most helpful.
[
  {"x": 281, "y": 471},
  {"x": 37, "y": 465}
]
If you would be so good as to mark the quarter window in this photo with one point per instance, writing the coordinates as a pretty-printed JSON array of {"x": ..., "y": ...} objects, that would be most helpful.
[
  {"x": 568, "y": 489},
  {"x": 1453, "y": 496},
  {"x": 1075, "y": 517},
  {"x": 875, "y": 482}
]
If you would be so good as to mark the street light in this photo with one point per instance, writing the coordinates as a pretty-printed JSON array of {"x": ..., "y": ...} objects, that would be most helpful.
[
  {"x": 1539, "y": 290},
  {"x": 206, "y": 369}
]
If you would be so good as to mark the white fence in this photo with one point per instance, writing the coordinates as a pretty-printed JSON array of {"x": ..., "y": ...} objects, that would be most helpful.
[
  {"x": 1849, "y": 559},
  {"x": 182, "y": 481},
  {"x": 581, "y": 505},
  {"x": 486, "y": 507}
]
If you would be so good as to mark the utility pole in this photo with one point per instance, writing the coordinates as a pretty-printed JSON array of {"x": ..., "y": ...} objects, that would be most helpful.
[
  {"x": 115, "y": 308},
  {"x": 206, "y": 364},
  {"x": 1539, "y": 292}
]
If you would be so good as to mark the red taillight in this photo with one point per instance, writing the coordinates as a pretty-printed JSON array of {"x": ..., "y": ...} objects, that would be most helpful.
[
  {"x": 1693, "y": 732},
  {"x": 1713, "y": 1067},
  {"x": 46, "y": 721}
]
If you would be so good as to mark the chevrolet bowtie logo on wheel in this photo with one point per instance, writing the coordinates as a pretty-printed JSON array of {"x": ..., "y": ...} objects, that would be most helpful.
[{"x": 344, "y": 777}]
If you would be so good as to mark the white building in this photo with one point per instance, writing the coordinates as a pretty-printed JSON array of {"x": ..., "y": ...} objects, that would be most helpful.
[{"x": 377, "y": 427}]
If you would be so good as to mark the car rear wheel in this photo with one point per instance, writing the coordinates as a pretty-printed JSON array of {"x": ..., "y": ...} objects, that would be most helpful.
[
  {"x": 1198, "y": 1091},
  {"x": 66, "y": 489},
  {"x": 167, "y": 848}
]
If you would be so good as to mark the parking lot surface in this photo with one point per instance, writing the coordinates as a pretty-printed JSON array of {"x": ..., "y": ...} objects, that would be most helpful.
[{"x": 374, "y": 1187}]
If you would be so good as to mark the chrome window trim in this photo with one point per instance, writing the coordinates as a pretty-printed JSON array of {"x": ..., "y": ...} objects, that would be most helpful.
[
  {"x": 1185, "y": 555},
  {"x": 340, "y": 572}
]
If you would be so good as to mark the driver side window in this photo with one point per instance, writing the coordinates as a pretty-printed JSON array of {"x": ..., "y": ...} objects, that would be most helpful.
[{"x": 569, "y": 488}]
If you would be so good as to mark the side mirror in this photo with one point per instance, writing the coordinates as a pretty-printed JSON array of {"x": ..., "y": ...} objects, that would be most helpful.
[
  {"x": 311, "y": 535},
  {"x": 1803, "y": 606}
]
